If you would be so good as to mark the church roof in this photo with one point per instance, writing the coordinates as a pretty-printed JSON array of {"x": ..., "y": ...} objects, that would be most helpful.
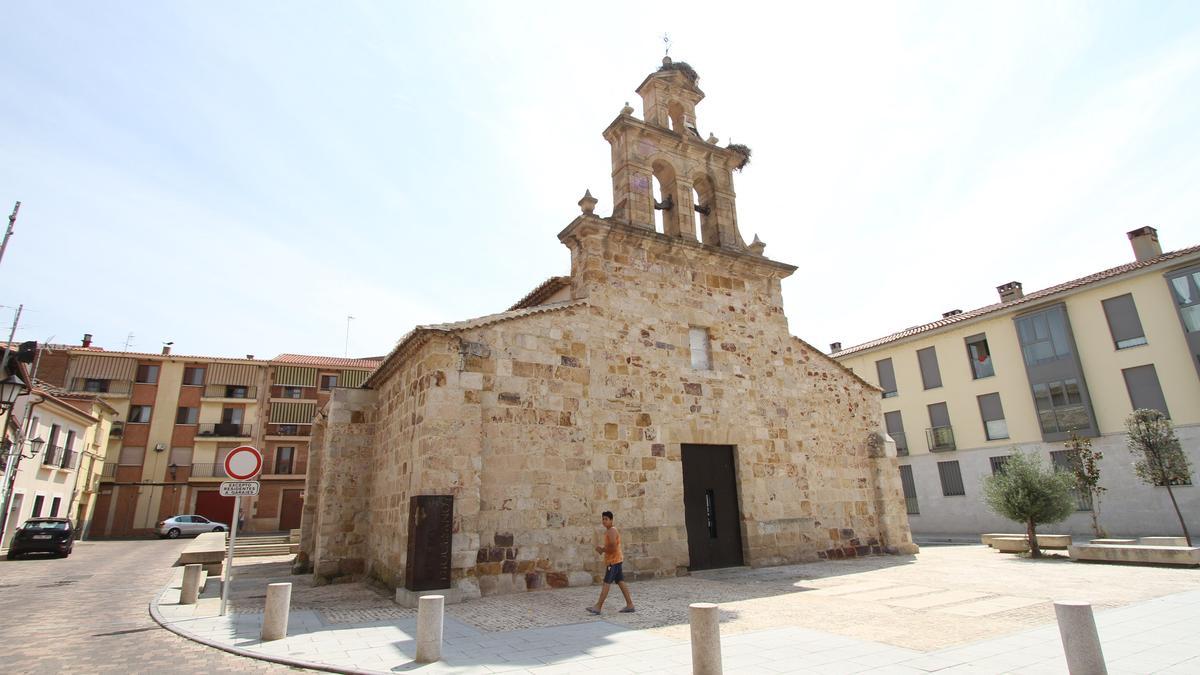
[
  {"x": 543, "y": 290},
  {"x": 419, "y": 334}
]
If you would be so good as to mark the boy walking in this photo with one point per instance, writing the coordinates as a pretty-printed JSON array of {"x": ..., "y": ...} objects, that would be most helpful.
[{"x": 612, "y": 565}]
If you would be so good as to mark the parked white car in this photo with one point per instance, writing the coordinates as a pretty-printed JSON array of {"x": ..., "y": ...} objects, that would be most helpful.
[{"x": 173, "y": 527}]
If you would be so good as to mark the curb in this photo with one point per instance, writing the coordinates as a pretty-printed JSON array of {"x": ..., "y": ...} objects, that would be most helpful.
[{"x": 238, "y": 651}]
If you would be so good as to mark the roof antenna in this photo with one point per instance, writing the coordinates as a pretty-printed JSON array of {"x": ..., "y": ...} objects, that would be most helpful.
[{"x": 128, "y": 340}]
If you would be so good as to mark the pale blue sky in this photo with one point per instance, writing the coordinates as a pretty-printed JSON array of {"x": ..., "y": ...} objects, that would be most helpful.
[{"x": 238, "y": 177}]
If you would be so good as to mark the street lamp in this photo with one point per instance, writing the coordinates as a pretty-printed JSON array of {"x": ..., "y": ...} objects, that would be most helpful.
[{"x": 11, "y": 388}]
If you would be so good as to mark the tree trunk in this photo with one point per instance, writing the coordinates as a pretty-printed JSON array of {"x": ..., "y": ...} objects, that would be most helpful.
[
  {"x": 1096, "y": 516},
  {"x": 1031, "y": 533},
  {"x": 1187, "y": 537}
]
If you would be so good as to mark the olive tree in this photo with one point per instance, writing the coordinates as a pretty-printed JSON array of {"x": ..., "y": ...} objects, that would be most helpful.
[
  {"x": 1158, "y": 457},
  {"x": 1029, "y": 492}
]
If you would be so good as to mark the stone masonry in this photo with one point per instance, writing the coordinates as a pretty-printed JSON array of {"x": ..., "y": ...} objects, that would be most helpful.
[{"x": 580, "y": 398}]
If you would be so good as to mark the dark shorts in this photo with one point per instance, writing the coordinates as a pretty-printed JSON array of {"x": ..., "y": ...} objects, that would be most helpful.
[{"x": 613, "y": 574}]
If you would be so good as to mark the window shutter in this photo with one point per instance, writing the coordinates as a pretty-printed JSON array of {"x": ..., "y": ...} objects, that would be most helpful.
[
  {"x": 1123, "y": 321},
  {"x": 887, "y": 376},
  {"x": 990, "y": 408},
  {"x": 951, "y": 477},
  {"x": 1144, "y": 389},
  {"x": 930, "y": 375}
]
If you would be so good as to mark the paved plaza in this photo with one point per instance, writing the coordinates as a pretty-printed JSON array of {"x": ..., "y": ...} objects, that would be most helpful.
[{"x": 960, "y": 609}]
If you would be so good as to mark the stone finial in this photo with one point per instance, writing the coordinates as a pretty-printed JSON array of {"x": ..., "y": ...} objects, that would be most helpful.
[
  {"x": 713, "y": 139},
  {"x": 756, "y": 247},
  {"x": 666, "y": 60},
  {"x": 627, "y": 110},
  {"x": 588, "y": 203}
]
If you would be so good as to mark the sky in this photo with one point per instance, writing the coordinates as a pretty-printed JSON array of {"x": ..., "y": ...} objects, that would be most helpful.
[{"x": 239, "y": 178}]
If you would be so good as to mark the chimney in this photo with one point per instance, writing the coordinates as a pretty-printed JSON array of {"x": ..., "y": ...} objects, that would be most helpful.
[
  {"x": 87, "y": 339},
  {"x": 953, "y": 312},
  {"x": 835, "y": 347},
  {"x": 250, "y": 356},
  {"x": 166, "y": 350},
  {"x": 1010, "y": 291},
  {"x": 1145, "y": 243}
]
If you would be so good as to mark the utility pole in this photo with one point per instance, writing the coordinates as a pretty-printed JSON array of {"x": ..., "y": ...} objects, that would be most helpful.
[{"x": 12, "y": 220}]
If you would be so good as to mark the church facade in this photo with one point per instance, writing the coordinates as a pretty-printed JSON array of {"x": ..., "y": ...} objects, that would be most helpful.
[{"x": 659, "y": 380}]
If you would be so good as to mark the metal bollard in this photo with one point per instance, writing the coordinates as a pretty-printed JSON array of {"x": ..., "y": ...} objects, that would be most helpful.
[
  {"x": 191, "y": 584},
  {"x": 706, "y": 638},
  {"x": 429, "y": 628},
  {"x": 1081, "y": 642},
  {"x": 275, "y": 614}
]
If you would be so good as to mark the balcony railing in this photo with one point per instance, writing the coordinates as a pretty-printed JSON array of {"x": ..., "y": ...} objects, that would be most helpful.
[
  {"x": 941, "y": 439},
  {"x": 224, "y": 429},
  {"x": 209, "y": 470},
  {"x": 52, "y": 455},
  {"x": 109, "y": 470},
  {"x": 230, "y": 391},
  {"x": 69, "y": 459},
  {"x": 288, "y": 430},
  {"x": 901, "y": 443},
  {"x": 96, "y": 386},
  {"x": 117, "y": 430},
  {"x": 910, "y": 505}
]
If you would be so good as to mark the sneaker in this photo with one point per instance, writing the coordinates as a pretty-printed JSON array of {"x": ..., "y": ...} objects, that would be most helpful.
[
  {"x": 625, "y": 610},
  {"x": 593, "y": 610}
]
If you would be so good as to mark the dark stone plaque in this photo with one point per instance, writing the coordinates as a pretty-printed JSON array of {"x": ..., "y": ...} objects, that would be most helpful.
[{"x": 430, "y": 527}]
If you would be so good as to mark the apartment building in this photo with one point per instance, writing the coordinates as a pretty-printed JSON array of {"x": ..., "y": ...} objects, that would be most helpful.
[
  {"x": 961, "y": 393},
  {"x": 179, "y": 416}
]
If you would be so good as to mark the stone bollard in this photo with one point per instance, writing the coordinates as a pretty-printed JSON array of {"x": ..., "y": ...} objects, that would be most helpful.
[
  {"x": 1081, "y": 642},
  {"x": 429, "y": 628},
  {"x": 706, "y": 638},
  {"x": 191, "y": 584},
  {"x": 275, "y": 614}
]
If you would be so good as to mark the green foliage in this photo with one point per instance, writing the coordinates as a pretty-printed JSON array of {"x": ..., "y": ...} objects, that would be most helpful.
[
  {"x": 1159, "y": 459},
  {"x": 1084, "y": 465},
  {"x": 1029, "y": 492}
]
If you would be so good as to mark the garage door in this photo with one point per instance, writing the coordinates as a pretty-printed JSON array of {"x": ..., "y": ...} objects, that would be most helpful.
[{"x": 211, "y": 505}]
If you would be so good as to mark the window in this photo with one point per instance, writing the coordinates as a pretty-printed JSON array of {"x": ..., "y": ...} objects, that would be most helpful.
[
  {"x": 939, "y": 435},
  {"x": 54, "y": 504},
  {"x": 236, "y": 391},
  {"x": 232, "y": 415},
  {"x": 193, "y": 376},
  {"x": 34, "y": 425},
  {"x": 998, "y": 464},
  {"x": 52, "y": 442},
  {"x": 296, "y": 392},
  {"x": 147, "y": 374},
  {"x": 1060, "y": 406},
  {"x": 951, "y": 477},
  {"x": 992, "y": 412},
  {"x": 288, "y": 430},
  {"x": 95, "y": 386},
  {"x": 910, "y": 489},
  {"x": 131, "y": 456},
  {"x": 283, "y": 459},
  {"x": 930, "y": 376},
  {"x": 1043, "y": 336},
  {"x": 1123, "y": 321},
  {"x": 1186, "y": 287},
  {"x": 980, "y": 356},
  {"x": 37, "y": 506},
  {"x": 327, "y": 382},
  {"x": 698, "y": 340},
  {"x": 1144, "y": 389},
  {"x": 184, "y": 415},
  {"x": 1062, "y": 461},
  {"x": 895, "y": 429},
  {"x": 181, "y": 456},
  {"x": 887, "y": 377},
  {"x": 139, "y": 414}
]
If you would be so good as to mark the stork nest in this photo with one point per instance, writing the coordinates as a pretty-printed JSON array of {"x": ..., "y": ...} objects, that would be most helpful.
[
  {"x": 682, "y": 66},
  {"x": 742, "y": 150}
]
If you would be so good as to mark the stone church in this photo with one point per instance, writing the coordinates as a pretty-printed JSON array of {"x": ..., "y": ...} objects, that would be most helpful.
[{"x": 658, "y": 380}]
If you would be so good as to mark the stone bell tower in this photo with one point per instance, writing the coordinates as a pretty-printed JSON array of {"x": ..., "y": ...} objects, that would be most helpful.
[{"x": 695, "y": 175}]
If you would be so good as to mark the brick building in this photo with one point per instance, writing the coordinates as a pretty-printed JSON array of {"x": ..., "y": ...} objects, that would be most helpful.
[
  {"x": 658, "y": 380},
  {"x": 178, "y": 416}
]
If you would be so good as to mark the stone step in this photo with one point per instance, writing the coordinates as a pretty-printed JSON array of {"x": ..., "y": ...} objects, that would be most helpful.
[{"x": 265, "y": 549}]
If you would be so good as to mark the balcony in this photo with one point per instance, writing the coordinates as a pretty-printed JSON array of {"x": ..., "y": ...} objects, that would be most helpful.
[
  {"x": 109, "y": 470},
  {"x": 941, "y": 439},
  {"x": 101, "y": 387},
  {"x": 52, "y": 455},
  {"x": 286, "y": 431},
  {"x": 224, "y": 430},
  {"x": 209, "y": 470},
  {"x": 117, "y": 430},
  {"x": 230, "y": 391},
  {"x": 69, "y": 459}
]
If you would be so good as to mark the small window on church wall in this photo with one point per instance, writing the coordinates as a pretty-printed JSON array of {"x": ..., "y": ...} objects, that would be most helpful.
[{"x": 701, "y": 355}]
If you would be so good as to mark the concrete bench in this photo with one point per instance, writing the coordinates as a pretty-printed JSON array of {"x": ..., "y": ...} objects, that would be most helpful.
[
  {"x": 1010, "y": 544},
  {"x": 1163, "y": 541},
  {"x": 1114, "y": 542},
  {"x": 207, "y": 549},
  {"x": 1138, "y": 554},
  {"x": 1051, "y": 541}
]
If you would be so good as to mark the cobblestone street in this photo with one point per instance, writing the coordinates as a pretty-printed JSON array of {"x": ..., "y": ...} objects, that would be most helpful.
[{"x": 88, "y": 614}]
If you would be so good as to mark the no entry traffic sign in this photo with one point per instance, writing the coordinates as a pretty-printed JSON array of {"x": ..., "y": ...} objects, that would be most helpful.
[{"x": 243, "y": 463}]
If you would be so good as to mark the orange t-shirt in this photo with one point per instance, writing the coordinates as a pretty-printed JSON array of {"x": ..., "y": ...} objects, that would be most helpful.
[{"x": 616, "y": 556}]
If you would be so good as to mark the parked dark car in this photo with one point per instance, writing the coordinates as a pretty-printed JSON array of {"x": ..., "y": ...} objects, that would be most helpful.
[{"x": 43, "y": 535}]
